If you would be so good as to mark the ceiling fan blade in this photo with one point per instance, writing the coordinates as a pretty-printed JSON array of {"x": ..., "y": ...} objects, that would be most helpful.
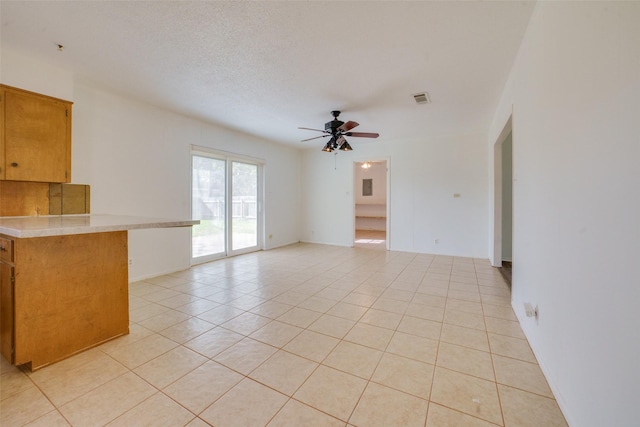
[
  {"x": 317, "y": 130},
  {"x": 340, "y": 140},
  {"x": 315, "y": 137},
  {"x": 363, "y": 134},
  {"x": 347, "y": 126}
]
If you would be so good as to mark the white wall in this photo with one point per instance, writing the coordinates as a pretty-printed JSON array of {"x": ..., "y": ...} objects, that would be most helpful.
[
  {"x": 423, "y": 177},
  {"x": 136, "y": 158},
  {"x": 574, "y": 92}
]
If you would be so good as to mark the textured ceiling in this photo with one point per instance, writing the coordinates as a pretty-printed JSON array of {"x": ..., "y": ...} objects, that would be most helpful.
[{"x": 267, "y": 67}]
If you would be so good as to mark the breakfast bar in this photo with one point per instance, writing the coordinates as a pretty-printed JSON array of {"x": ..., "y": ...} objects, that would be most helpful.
[{"x": 64, "y": 283}]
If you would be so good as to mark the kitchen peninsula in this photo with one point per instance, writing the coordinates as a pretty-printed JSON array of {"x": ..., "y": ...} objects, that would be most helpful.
[{"x": 64, "y": 283}]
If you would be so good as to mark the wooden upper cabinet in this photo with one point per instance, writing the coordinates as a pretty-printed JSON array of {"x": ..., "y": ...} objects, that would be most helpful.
[{"x": 35, "y": 133}]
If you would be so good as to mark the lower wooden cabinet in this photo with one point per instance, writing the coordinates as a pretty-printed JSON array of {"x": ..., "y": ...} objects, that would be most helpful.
[{"x": 62, "y": 294}]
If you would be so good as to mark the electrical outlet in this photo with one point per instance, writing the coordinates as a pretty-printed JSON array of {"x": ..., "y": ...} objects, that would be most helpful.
[{"x": 130, "y": 261}]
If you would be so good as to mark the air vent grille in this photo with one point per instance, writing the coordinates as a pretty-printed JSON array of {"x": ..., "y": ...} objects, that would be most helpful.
[{"x": 422, "y": 98}]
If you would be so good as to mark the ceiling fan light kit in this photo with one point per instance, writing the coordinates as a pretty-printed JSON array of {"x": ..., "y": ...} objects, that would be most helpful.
[{"x": 337, "y": 130}]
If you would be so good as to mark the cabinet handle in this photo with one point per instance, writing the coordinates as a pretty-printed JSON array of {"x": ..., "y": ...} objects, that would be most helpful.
[
  {"x": 3, "y": 249},
  {"x": 14, "y": 164}
]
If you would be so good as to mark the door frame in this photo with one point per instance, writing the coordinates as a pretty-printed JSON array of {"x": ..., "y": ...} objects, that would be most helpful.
[
  {"x": 388, "y": 198},
  {"x": 496, "y": 250}
]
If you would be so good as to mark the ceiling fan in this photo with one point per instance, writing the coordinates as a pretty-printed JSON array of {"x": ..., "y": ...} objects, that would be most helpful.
[{"x": 337, "y": 130}]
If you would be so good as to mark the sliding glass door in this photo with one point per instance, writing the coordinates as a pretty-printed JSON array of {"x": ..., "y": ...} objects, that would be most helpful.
[
  {"x": 225, "y": 197},
  {"x": 244, "y": 212}
]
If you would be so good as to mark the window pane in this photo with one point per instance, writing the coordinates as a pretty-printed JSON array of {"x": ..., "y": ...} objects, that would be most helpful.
[
  {"x": 208, "y": 205},
  {"x": 244, "y": 221}
]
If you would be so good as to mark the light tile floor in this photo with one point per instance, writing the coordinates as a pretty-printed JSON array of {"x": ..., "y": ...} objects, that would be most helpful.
[
  {"x": 305, "y": 335},
  {"x": 372, "y": 239}
]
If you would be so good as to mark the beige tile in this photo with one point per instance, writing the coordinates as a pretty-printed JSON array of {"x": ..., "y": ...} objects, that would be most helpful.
[
  {"x": 203, "y": 386},
  {"x": 296, "y": 414},
  {"x": 284, "y": 372},
  {"x": 146, "y": 312},
  {"x": 197, "y": 422},
  {"x": 214, "y": 341},
  {"x": 189, "y": 329},
  {"x": 466, "y": 337},
  {"x": 413, "y": 347},
  {"x": 332, "y": 391},
  {"x": 197, "y": 306},
  {"x": 178, "y": 301},
  {"x": 136, "y": 333},
  {"x": 504, "y": 327},
  {"x": 420, "y": 327},
  {"x": 499, "y": 311},
  {"x": 247, "y": 404},
  {"x": 471, "y": 395},
  {"x": 494, "y": 290},
  {"x": 423, "y": 311},
  {"x": 383, "y": 319},
  {"x": 354, "y": 359},
  {"x": 434, "y": 289},
  {"x": 333, "y": 293},
  {"x": 276, "y": 333},
  {"x": 523, "y": 375},
  {"x": 299, "y": 317},
  {"x": 398, "y": 294},
  {"x": 12, "y": 382},
  {"x": 51, "y": 419},
  {"x": 466, "y": 360},
  {"x": 316, "y": 303},
  {"x": 246, "y": 355},
  {"x": 496, "y": 300},
  {"x": 141, "y": 351},
  {"x": 362, "y": 300},
  {"x": 271, "y": 309},
  {"x": 392, "y": 305},
  {"x": 429, "y": 300},
  {"x": 158, "y": 410},
  {"x": 165, "y": 369},
  {"x": 73, "y": 377},
  {"x": 466, "y": 306},
  {"x": 383, "y": 406},
  {"x": 404, "y": 374},
  {"x": 246, "y": 323},
  {"x": 347, "y": 311},
  {"x": 246, "y": 302},
  {"x": 312, "y": 345},
  {"x": 511, "y": 347},
  {"x": 462, "y": 318},
  {"x": 107, "y": 402},
  {"x": 220, "y": 314},
  {"x": 23, "y": 407},
  {"x": 164, "y": 320},
  {"x": 523, "y": 409},
  {"x": 370, "y": 336},
  {"x": 439, "y": 416},
  {"x": 333, "y": 326}
]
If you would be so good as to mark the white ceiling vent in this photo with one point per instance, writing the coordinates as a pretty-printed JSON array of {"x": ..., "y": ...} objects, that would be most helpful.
[{"x": 422, "y": 98}]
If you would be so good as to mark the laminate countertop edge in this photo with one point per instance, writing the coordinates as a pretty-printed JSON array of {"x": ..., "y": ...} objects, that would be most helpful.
[{"x": 60, "y": 225}]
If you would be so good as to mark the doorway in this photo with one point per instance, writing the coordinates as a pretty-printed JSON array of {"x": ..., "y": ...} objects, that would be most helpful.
[
  {"x": 503, "y": 202},
  {"x": 226, "y": 198},
  {"x": 371, "y": 220}
]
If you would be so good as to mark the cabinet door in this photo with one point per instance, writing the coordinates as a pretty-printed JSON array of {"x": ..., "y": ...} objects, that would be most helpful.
[
  {"x": 6, "y": 311},
  {"x": 37, "y": 137}
]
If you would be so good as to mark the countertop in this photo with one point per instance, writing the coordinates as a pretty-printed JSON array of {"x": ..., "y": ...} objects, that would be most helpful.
[{"x": 58, "y": 225}]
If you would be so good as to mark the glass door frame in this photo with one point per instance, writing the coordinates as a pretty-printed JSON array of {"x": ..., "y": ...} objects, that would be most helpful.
[{"x": 229, "y": 158}]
